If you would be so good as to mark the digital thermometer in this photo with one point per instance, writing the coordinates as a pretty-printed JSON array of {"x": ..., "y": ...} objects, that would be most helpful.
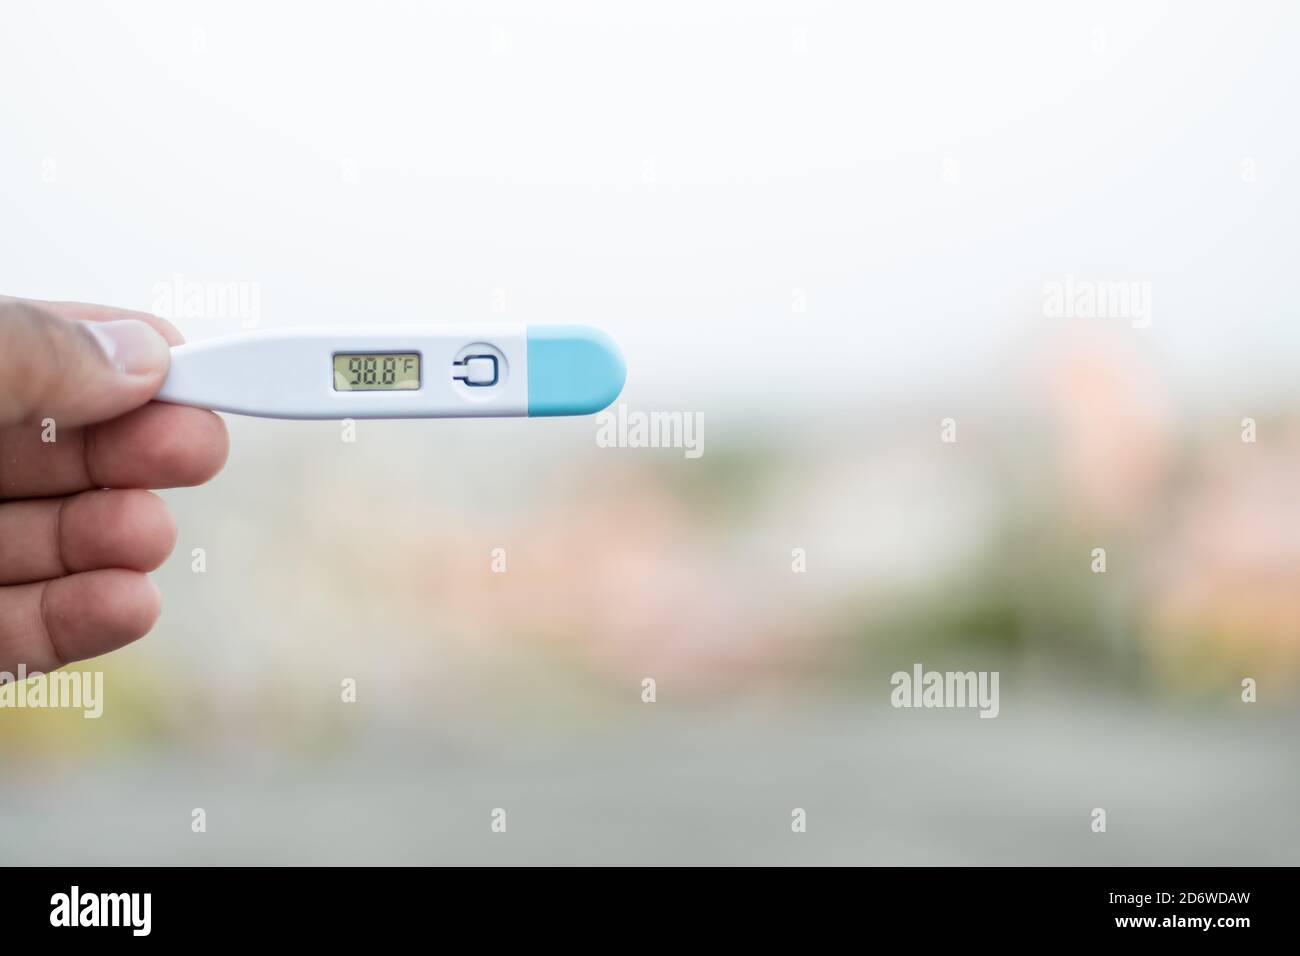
[{"x": 416, "y": 371}]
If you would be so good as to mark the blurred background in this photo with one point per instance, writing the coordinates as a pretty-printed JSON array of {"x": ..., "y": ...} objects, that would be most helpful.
[{"x": 824, "y": 230}]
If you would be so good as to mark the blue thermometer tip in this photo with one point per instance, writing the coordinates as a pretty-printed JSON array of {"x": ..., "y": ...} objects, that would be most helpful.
[{"x": 572, "y": 370}]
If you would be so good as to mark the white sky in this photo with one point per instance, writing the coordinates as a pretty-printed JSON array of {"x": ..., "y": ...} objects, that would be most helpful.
[{"x": 678, "y": 173}]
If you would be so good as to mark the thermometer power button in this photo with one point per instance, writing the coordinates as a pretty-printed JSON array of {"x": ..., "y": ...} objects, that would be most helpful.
[{"x": 479, "y": 370}]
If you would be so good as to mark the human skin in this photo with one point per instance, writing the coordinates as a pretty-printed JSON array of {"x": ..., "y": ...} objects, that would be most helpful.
[{"x": 81, "y": 443}]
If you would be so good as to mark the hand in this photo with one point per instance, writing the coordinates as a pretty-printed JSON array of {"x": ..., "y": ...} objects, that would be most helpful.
[{"x": 79, "y": 441}]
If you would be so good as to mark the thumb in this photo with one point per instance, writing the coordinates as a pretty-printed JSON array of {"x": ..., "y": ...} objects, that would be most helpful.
[{"x": 75, "y": 372}]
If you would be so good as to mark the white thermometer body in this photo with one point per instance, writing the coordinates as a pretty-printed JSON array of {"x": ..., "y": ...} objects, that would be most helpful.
[{"x": 417, "y": 371}]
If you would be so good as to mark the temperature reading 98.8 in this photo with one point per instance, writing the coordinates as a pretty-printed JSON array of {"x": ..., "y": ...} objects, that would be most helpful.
[{"x": 376, "y": 371}]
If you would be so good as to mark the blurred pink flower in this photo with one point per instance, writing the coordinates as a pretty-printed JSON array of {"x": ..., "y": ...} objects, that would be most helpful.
[
  {"x": 1227, "y": 582},
  {"x": 1112, "y": 418}
]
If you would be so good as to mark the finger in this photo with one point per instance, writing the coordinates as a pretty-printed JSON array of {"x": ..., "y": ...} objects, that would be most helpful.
[
  {"x": 75, "y": 372},
  {"x": 51, "y": 537},
  {"x": 87, "y": 312},
  {"x": 52, "y": 623},
  {"x": 158, "y": 446}
]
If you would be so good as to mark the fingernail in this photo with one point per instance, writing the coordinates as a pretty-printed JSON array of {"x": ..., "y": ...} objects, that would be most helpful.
[{"x": 132, "y": 346}]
